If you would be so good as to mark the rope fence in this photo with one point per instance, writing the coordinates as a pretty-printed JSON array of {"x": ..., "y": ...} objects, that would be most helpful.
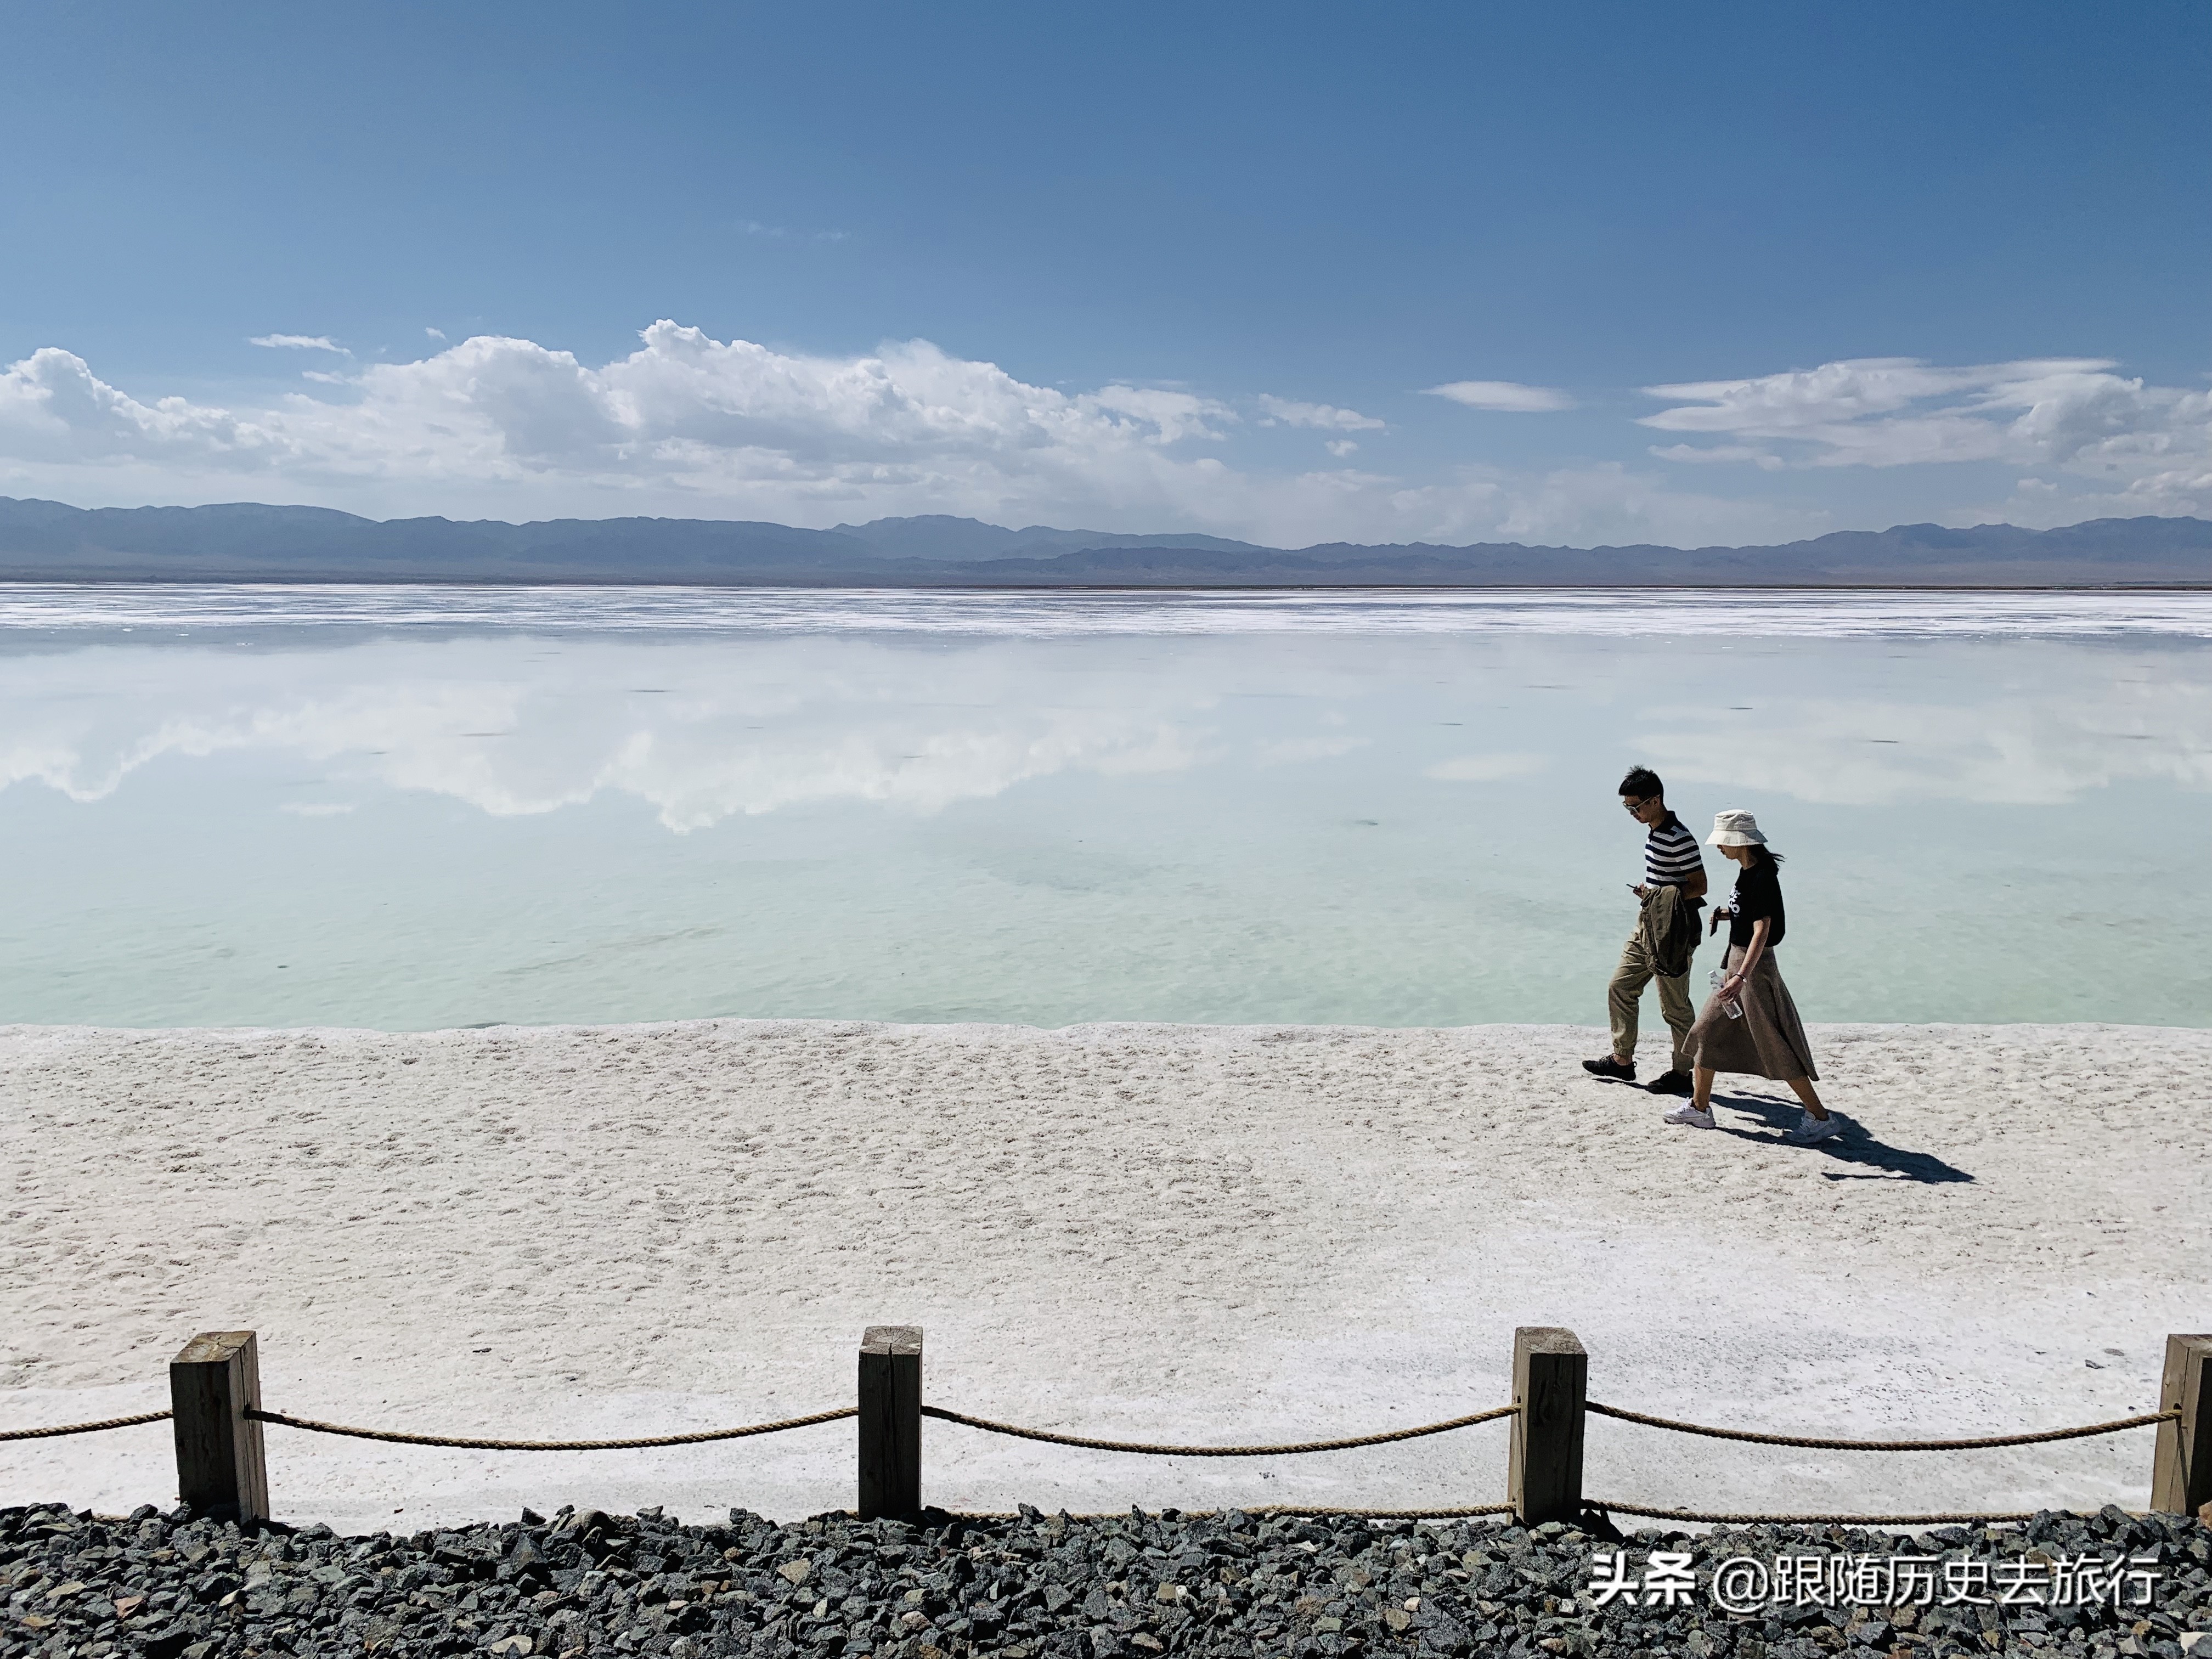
[
  {"x": 1983, "y": 1442},
  {"x": 215, "y": 1390},
  {"x": 1144, "y": 1448},
  {"x": 464, "y": 1443},
  {"x": 1913, "y": 1521},
  {"x": 1261, "y": 1511},
  {"x": 104, "y": 1424}
]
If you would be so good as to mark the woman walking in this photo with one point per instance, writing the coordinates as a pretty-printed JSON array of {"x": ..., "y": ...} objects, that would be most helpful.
[{"x": 1764, "y": 1036}]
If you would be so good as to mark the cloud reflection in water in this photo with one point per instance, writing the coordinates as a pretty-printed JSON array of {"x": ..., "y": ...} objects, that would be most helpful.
[
  {"x": 512, "y": 729},
  {"x": 705, "y": 730},
  {"x": 2131, "y": 718},
  {"x": 249, "y": 825}
]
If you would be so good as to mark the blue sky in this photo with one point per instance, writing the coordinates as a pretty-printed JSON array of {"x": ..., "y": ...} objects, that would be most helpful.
[{"x": 1137, "y": 267}]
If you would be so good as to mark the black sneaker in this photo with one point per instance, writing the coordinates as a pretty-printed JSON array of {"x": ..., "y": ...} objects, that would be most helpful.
[
  {"x": 1611, "y": 1068},
  {"x": 1672, "y": 1083}
]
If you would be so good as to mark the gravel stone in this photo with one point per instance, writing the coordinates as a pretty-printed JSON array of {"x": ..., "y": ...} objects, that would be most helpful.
[{"x": 154, "y": 1586}]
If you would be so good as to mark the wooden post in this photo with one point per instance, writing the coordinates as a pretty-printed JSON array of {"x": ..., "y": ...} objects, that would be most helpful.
[
  {"x": 1544, "y": 1470},
  {"x": 890, "y": 1423},
  {"x": 213, "y": 1382},
  {"x": 2181, "y": 1472}
]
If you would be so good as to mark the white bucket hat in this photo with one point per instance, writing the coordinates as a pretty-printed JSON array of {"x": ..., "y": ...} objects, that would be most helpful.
[{"x": 1734, "y": 827}]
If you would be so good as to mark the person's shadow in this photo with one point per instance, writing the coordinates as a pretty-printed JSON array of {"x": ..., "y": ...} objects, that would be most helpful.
[{"x": 1861, "y": 1157}]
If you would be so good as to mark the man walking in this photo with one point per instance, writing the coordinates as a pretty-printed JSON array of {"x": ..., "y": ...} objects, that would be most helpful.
[{"x": 1669, "y": 898}]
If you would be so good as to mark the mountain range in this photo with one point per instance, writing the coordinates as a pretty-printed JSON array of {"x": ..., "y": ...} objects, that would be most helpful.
[{"x": 47, "y": 541}]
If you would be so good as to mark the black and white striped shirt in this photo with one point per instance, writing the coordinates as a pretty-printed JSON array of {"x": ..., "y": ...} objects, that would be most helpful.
[{"x": 1670, "y": 854}]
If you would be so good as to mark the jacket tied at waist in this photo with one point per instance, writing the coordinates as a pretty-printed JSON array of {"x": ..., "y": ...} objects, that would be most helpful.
[{"x": 1668, "y": 924}]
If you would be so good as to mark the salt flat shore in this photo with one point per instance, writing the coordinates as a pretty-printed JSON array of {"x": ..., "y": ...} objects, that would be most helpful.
[{"x": 1157, "y": 1232}]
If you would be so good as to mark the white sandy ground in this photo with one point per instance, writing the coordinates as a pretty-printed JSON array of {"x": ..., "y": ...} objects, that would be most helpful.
[{"x": 1151, "y": 1231}]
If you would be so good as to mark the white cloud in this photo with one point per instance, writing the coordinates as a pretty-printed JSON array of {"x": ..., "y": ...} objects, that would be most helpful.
[
  {"x": 1765, "y": 459},
  {"x": 1293, "y": 752},
  {"x": 1504, "y": 397},
  {"x": 2071, "y": 414},
  {"x": 709, "y": 418},
  {"x": 299, "y": 343},
  {"x": 1176, "y": 414},
  {"x": 687, "y": 425},
  {"x": 1485, "y": 768},
  {"x": 434, "y": 333},
  {"x": 53, "y": 409},
  {"x": 1328, "y": 417},
  {"x": 691, "y": 426}
]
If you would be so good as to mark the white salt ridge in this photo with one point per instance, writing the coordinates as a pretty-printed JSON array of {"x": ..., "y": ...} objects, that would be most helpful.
[
  {"x": 150, "y": 610},
  {"x": 1160, "y": 1232}
]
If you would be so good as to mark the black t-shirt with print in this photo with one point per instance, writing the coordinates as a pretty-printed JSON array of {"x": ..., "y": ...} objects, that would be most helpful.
[{"x": 1758, "y": 893}]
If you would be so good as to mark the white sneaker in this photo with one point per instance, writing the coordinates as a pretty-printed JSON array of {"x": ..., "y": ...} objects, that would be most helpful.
[
  {"x": 1690, "y": 1116},
  {"x": 1814, "y": 1129}
]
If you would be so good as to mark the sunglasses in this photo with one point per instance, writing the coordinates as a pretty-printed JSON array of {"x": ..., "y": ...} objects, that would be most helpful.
[{"x": 1635, "y": 807}]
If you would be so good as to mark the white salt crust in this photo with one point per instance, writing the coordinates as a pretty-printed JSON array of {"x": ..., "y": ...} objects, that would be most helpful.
[{"x": 1158, "y": 1232}]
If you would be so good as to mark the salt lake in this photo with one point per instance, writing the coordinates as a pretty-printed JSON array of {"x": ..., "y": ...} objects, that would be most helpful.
[{"x": 418, "y": 807}]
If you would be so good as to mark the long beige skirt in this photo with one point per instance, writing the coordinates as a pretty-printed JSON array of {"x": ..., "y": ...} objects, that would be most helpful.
[{"x": 1768, "y": 1041}]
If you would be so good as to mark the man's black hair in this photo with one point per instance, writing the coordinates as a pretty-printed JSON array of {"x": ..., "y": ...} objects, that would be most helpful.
[{"x": 1642, "y": 783}]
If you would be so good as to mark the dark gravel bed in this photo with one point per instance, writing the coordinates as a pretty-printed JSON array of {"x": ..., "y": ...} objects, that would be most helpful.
[{"x": 1038, "y": 1587}]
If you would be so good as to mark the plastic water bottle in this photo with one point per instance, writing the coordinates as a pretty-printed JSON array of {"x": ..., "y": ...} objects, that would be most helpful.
[{"x": 1732, "y": 1008}]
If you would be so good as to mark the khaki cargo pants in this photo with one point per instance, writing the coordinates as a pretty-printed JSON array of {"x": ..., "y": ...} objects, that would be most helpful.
[{"x": 1626, "y": 990}]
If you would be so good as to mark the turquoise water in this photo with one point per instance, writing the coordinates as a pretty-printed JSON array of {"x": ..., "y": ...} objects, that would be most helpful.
[{"x": 406, "y": 808}]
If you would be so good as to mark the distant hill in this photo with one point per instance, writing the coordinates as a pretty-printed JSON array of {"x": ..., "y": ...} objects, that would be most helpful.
[
  {"x": 47, "y": 541},
  {"x": 936, "y": 536}
]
